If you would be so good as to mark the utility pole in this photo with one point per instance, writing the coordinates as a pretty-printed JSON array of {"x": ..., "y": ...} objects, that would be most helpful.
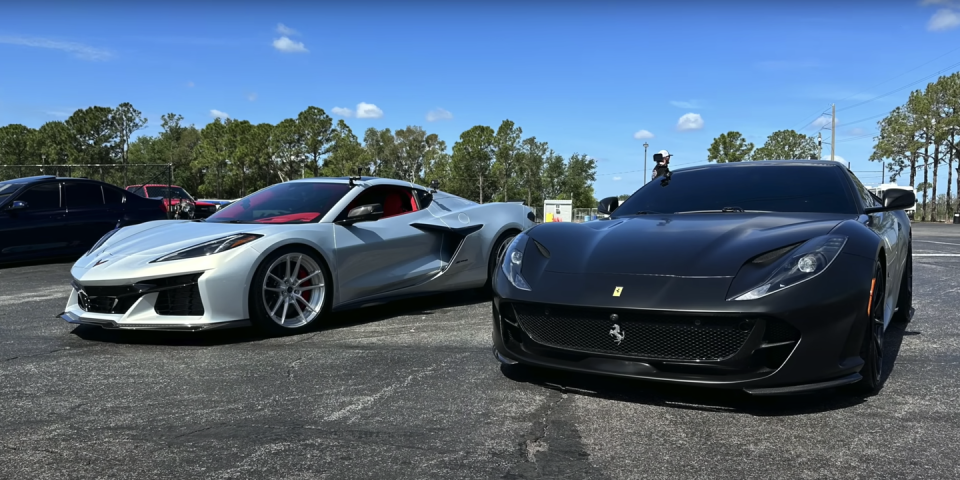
[
  {"x": 833, "y": 132},
  {"x": 820, "y": 145},
  {"x": 645, "y": 145}
]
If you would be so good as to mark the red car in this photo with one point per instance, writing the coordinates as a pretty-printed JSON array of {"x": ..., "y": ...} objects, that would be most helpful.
[{"x": 177, "y": 202}]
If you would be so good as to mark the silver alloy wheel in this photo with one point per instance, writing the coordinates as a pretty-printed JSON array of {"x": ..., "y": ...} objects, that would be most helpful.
[{"x": 293, "y": 290}]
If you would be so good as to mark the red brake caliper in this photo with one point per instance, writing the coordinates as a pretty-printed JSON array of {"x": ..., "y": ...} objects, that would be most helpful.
[{"x": 300, "y": 276}]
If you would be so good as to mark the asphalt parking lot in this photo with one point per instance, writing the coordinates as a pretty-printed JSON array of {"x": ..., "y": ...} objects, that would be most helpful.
[{"x": 411, "y": 390}]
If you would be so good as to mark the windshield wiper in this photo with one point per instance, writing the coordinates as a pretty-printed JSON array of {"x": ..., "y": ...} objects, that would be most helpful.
[
  {"x": 727, "y": 210},
  {"x": 648, "y": 212}
]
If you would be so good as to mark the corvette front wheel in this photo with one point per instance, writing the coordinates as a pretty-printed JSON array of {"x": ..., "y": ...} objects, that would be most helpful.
[{"x": 289, "y": 291}]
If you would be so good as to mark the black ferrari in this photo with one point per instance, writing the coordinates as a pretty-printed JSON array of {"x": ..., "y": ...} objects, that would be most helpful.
[{"x": 774, "y": 277}]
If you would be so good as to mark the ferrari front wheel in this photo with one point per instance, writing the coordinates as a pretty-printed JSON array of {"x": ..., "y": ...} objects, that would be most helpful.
[
  {"x": 871, "y": 349},
  {"x": 289, "y": 291}
]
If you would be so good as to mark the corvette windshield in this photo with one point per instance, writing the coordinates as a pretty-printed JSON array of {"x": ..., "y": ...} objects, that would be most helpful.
[
  {"x": 788, "y": 188},
  {"x": 297, "y": 202}
]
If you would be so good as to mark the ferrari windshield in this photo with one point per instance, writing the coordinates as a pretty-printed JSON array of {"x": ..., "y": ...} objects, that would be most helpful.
[
  {"x": 292, "y": 202},
  {"x": 766, "y": 188}
]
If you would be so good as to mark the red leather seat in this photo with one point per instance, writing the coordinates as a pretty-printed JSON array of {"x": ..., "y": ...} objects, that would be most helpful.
[{"x": 392, "y": 205}]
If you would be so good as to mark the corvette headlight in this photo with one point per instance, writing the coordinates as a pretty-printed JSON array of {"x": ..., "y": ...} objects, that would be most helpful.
[
  {"x": 804, "y": 263},
  {"x": 102, "y": 240},
  {"x": 211, "y": 247},
  {"x": 513, "y": 261}
]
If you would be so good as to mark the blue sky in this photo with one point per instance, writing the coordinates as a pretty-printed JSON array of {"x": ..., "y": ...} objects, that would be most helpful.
[{"x": 584, "y": 76}]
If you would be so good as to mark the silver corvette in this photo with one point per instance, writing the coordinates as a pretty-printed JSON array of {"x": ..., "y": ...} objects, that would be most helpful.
[{"x": 283, "y": 257}]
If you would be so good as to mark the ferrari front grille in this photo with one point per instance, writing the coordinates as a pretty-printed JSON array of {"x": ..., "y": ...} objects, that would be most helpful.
[{"x": 633, "y": 334}]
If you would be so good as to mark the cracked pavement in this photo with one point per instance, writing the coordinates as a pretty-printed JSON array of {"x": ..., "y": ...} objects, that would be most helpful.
[{"x": 411, "y": 390}]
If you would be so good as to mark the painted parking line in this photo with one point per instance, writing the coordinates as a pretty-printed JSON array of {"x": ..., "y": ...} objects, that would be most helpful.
[
  {"x": 936, "y": 254},
  {"x": 938, "y": 243}
]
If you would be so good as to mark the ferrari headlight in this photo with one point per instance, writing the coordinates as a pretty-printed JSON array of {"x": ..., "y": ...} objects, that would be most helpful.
[
  {"x": 102, "y": 240},
  {"x": 804, "y": 263},
  {"x": 513, "y": 261},
  {"x": 211, "y": 247}
]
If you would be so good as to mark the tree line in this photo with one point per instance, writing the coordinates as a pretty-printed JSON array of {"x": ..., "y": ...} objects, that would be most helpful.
[
  {"x": 231, "y": 158},
  {"x": 917, "y": 137}
]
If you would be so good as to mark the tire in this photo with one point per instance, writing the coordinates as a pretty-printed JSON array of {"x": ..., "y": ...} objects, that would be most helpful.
[
  {"x": 499, "y": 248},
  {"x": 871, "y": 349},
  {"x": 287, "y": 304},
  {"x": 905, "y": 298}
]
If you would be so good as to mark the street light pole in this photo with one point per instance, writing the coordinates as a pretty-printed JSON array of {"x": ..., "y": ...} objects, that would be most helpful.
[{"x": 645, "y": 145}]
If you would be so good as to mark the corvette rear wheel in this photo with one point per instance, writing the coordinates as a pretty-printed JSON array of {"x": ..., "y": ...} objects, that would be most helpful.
[
  {"x": 289, "y": 291},
  {"x": 871, "y": 350}
]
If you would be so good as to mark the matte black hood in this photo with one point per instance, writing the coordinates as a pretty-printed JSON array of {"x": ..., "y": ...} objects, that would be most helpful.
[{"x": 715, "y": 244}]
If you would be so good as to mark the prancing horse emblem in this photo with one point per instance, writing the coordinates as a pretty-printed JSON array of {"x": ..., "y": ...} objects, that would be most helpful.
[
  {"x": 616, "y": 291},
  {"x": 617, "y": 335}
]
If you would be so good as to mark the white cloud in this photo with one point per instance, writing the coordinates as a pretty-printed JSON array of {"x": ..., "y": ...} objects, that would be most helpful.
[
  {"x": 690, "y": 121},
  {"x": 690, "y": 104},
  {"x": 218, "y": 114},
  {"x": 343, "y": 112},
  {"x": 79, "y": 50},
  {"x": 252, "y": 96},
  {"x": 286, "y": 45},
  {"x": 285, "y": 30},
  {"x": 944, "y": 19},
  {"x": 439, "y": 114},
  {"x": 616, "y": 179},
  {"x": 368, "y": 110},
  {"x": 642, "y": 135},
  {"x": 822, "y": 122}
]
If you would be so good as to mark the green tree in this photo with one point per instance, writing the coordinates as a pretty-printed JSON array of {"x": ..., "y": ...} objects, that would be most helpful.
[
  {"x": 124, "y": 122},
  {"x": 346, "y": 153},
  {"x": 54, "y": 143},
  {"x": 553, "y": 178},
  {"x": 212, "y": 157},
  {"x": 288, "y": 148},
  {"x": 787, "y": 145},
  {"x": 93, "y": 134},
  {"x": 471, "y": 162},
  {"x": 317, "y": 130},
  {"x": 581, "y": 173},
  {"x": 17, "y": 145},
  {"x": 506, "y": 143},
  {"x": 729, "y": 147},
  {"x": 530, "y": 165}
]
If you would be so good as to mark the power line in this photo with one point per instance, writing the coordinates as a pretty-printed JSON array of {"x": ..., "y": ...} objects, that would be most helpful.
[
  {"x": 901, "y": 88},
  {"x": 902, "y": 74}
]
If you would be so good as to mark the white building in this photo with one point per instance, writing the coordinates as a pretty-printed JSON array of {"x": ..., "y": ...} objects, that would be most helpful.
[{"x": 558, "y": 211}]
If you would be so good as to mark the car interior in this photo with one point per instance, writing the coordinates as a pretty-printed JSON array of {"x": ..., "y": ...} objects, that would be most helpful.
[{"x": 395, "y": 200}]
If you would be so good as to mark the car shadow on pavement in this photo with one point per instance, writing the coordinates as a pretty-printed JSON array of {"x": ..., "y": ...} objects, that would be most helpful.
[
  {"x": 708, "y": 399},
  {"x": 426, "y": 305}
]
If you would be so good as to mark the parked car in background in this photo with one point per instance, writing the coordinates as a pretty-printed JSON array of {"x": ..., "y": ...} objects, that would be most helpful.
[
  {"x": 218, "y": 204},
  {"x": 48, "y": 216},
  {"x": 178, "y": 202}
]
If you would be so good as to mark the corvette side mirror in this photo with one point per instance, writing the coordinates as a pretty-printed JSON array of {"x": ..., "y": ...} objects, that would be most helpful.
[
  {"x": 608, "y": 205},
  {"x": 426, "y": 200},
  {"x": 363, "y": 213}
]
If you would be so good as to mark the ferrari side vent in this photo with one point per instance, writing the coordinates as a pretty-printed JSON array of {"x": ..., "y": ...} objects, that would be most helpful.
[{"x": 773, "y": 255}]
